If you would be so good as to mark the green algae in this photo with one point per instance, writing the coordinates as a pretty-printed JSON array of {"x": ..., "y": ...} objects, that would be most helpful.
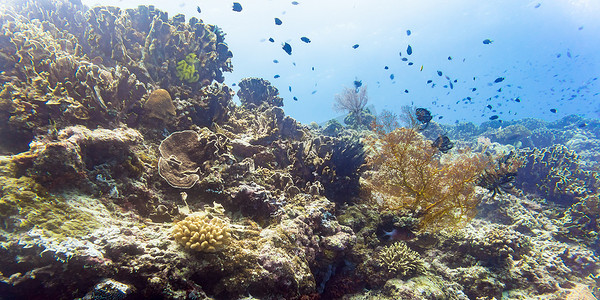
[{"x": 25, "y": 204}]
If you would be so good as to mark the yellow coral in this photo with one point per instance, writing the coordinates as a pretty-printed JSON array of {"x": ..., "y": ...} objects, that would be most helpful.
[
  {"x": 186, "y": 69},
  {"x": 200, "y": 232},
  {"x": 410, "y": 175}
]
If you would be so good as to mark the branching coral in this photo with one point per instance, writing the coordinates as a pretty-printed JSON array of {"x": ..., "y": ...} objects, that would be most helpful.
[
  {"x": 399, "y": 260},
  {"x": 410, "y": 175},
  {"x": 186, "y": 69}
]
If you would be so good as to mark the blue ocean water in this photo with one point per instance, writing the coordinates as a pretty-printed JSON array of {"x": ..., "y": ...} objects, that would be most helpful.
[{"x": 545, "y": 51}]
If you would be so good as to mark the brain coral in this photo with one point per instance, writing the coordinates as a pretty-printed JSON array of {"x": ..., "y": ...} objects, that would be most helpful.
[
  {"x": 202, "y": 233},
  {"x": 160, "y": 105}
]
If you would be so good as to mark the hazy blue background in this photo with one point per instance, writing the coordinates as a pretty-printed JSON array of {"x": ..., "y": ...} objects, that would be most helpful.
[{"x": 548, "y": 51}]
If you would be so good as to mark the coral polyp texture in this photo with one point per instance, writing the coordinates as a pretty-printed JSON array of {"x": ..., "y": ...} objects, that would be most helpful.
[
  {"x": 117, "y": 131},
  {"x": 202, "y": 233}
]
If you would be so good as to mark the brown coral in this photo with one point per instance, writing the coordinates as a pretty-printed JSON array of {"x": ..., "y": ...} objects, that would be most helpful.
[
  {"x": 159, "y": 105},
  {"x": 202, "y": 233}
]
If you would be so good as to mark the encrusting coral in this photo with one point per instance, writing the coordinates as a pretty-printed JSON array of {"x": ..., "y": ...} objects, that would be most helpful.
[
  {"x": 201, "y": 232},
  {"x": 410, "y": 175},
  {"x": 160, "y": 105}
]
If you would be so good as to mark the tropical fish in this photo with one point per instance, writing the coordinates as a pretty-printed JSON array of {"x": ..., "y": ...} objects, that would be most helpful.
[
  {"x": 494, "y": 117},
  {"x": 423, "y": 115},
  {"x": 278, "y": 21},
  {"x": 439, "y": 73},
  {"x": 406, "y": 91},
  {"x": 290, "y": 88},
  {"x": 198, "y": 9},
  {"x": 295, "y": 99},
  {"x": 313, "y": 92},
  {"x": 305, "y": 39},
  {"x": 553, "y": 110},
  {"x": 355, "y": 46},
  {"x": 287, "y": 48},
  {"x": 473, "y": 89},
  {"x": 489, "y": 106},
  {"x": 421, "y": 68},
  {"x": 408, "y": 32},
  {"x": 429, "y": 81},
  {"x": 276, "y": 76},
  {"x": 410, "y": 63},
  {"x": 357, "y": 84},
  {"x": 409, "y": 50},
  {"x": 499, "y": 79},
  {"x": 386, "y": 67},
  {"x": 404, "y": 59},
  {"x": 537, "y": 5},
  {"x": 449, "y": 57},
  {"x": 517, "y": 99},
  {"x": 487, "y": 41},
  {"x": 443, "y": 143},
  {"x": 271, "y": 40},
  {"x": 392, "y": 76},
  {"x": 237, "y": 6},
  {"x": 275, "y": 61},
  {"x": 295, "y": 2}
]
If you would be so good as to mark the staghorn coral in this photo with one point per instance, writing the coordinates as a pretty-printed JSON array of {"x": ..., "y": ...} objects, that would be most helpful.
[
  {"x": 399, "y": 260},
  {"x": 409, "y": 175},
  {"x": 201, "y": 232}
]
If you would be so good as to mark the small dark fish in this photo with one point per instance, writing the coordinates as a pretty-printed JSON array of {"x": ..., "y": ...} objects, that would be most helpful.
[
  {"x": 447, "y": 78},
  {"x": 276, "y": 76},
  {"x": 357, "y": 84},
  {"x": 487, "y": 41},
  {"x": 499, "y": 79},
  {"x": 449, "y": 57},
  {"x": 275, "y": 61},
  {"x": 489, "y": 106},
  {"x": 558, "y": 55},
  {"x": 313, "y": 68},
  {"x": 409, "y": 50},
  {"x": 278, "y": 21},
  {"x": 473, "y": 89},
  {"x": 517, "y": 99},
  {"x": 439, "y": 73},
  {"x": 569, "y": 54},
  {"x": 408, "y": 32},
  {"x": 313, "y": 92},
  {"x": 494, "y": 117},
  {"x": 355, "y": 46},
  {"x": 580, "y": 28},
  {"x": 295, "y": 99},
  {"x": 287, "y": 48},
  {"x": 271, "y": 40},
  {"x": 443, "y": 143},
  {"x": 537, "y": 5},
  {"x": 499, "y": 90},
  {"x": 233, "y": 84},
  {"x": 295, "y": 2},
  {"x": 290, "y": 88},
  {"x": 451, "y": 86},
  {"x": 582, "y": 125},
  {"x": 429, "y": 81},
  {"x": 423, "y": 115},
  {"x": 305, "y": 39},
  {"x": 406, "y": 91},
  {"x": 421, "y": 68},
  {"x": 386, "y": 67},
  {"x": 404, "y": 59},
  {"x": 410, "y": 63},
  {"x": 392, "y": 76},
  {"x": 198, "y": 9},
  {"x": 553, "y": 110},
  {"x": 440, "y": 117},
  {"x": 237, "y": 7},
  {"x": 400, "y": 53}
]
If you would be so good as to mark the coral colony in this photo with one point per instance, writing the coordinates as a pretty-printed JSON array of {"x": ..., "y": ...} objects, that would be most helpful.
[{"x": 127, "y": 171}]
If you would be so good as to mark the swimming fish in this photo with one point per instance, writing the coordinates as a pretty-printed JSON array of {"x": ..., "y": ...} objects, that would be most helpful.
[
  {"x": 423, "y": 115},
  {"x": 357, "y": 84},
  {"x": 537, "y": 5},
  {"x": 421, "y": 68},
  {"x": 287, "y": 48},
  {"x": 313, "y": 92},
  {"x": 198, "y": 9},
  {"x": 449, "y": 57},
  {"x": 487, "y": 41},
  {"x": 275, "y": 61},
  {"x": 499, "y": 79},
  {"x": 443, "y": 143},
  {"x": 392, "y": 76},
  {"x": 295, "y": 2},
  {"x": 355, "y": 46},
  {"x": 409, "y": 50},
  {"x": 305, "y": 39},
  {"x": 271, "y": 40},
  {"x": 429, "y": 81},
  {"x": 494, "y": 117},
  {"x": 237, "y": 7},
  {"x": 295, "y": 99},
  {"x": 473, "y": 89},
  {"x": 553, "y": 110},
  {"x": 517, "y": 99},
  {"x": 276, "y": 76},
  {"x": 278, "y": 21},
  {"x": 439, "y": 73},
  {"x": 290, "y": 88},
  {"x": 404, "y": 59},
  {"x": 408, "y": 32},
  {"x": 410, "y": 63},
  {"x": 489, "y": 106},
  {"x": 406, "y": 91},
  {"x": 386, "y": 67}
]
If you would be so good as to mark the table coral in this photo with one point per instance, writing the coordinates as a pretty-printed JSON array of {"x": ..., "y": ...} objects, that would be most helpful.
[{"x": 201, "y": 232}]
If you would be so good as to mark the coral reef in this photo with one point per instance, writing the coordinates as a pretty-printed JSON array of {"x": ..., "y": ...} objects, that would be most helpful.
[
  {"x": 256, "y": 91},
  {"x": 202, "y": 233},
  {"x": 399, "y": 260}
]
